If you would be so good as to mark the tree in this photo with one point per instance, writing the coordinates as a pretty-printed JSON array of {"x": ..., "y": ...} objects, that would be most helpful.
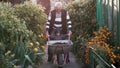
[
  {"x": 14, "y": 1},
  {"x": 46, "y": 4}
]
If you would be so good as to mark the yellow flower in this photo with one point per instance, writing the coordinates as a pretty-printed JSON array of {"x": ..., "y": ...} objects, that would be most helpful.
[
  {"x": 40, "y": 35},
  {"x": 14, "y": 43},
  {"x": 37, "y": 43},
  {"x": 35, "y": 49},
  {"x": 43, "y": 47},
  {"x": 31, "y": 44}
]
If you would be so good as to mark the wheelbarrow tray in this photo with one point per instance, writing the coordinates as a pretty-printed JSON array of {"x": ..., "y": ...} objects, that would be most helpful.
[{"x": 59, "y": 46}]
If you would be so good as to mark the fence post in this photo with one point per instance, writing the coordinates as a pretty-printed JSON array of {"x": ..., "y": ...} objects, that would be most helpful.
[
  {"x": 108, "y": 2},
  {"x": 91, "y": 58},
  {"x": 113, "y": 19},
  {"x": 118, "y": 25},
  {"x": 99, "y": 12},
  {"x": 101, "y": 20}
]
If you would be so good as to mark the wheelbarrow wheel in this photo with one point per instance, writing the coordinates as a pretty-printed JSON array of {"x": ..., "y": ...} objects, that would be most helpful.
[{"x": 60, "y": 60}]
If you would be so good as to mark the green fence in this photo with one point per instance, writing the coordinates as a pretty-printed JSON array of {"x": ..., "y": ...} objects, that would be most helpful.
[
  {"x": 97, "y": 61},
  {"x": 108, "y": 14}
]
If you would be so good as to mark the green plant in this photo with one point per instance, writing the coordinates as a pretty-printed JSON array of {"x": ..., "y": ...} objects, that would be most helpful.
[
  {"x": 102, "y": 46},
  {"x": 82, "y": 15},
  {"x": 33, "y": 15},
  {"x": 16, "y": 38},
  {"x": 7, "y": 59}
]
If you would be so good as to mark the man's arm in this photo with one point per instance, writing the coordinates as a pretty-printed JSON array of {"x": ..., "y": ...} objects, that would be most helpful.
[
  {"x": 69, "y": 23},
  {"x": 48, "y": 25}
]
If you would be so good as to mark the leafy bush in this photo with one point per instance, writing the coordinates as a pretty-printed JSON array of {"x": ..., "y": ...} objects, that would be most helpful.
[
  {"x": 7, "y": 60},
  {"x": 18, "y": 39},
  {"x": 101, "y": 45},
  {"x": 10, "y": 27},
  {"x": 84, "y": 26},
  {"x": 32, "y": 14},
  {"x": 82, "y": 14}
]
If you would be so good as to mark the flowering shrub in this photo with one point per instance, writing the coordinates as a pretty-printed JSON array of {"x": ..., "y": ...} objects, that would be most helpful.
[
  {"x": 6, "y": 59},
  {"x": 101, "y": 45},
  {"x": 24, "y": 45},
  {"x": 33, "y": 15},
  {"x": 82, "y": 14}
]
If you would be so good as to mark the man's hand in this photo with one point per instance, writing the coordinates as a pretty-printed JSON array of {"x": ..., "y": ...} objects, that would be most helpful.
[
  {"x": 69, "y": 34},
  {"x": 47, "y": 35}
]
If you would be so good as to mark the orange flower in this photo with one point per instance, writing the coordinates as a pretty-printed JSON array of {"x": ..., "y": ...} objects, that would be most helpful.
[
  {"x": 118, "y": 48},
  {"x": 112, "y": 60},
  {"x": 37, "y": 43},
  {"x": 40, "y": 35},
  {"x": 43, "y": 47},
  {"x": 90, "y": 43},
  {"x": 95, "y": 33},
  {"x": 104, "y": 36},
  {"x": 35, "y": 49},
  {"x": 98, "y": 43},
  {"x": 100, "y": 39},
  {"x": 96, "y": 37},
  {"x": 31, "y": 44}
]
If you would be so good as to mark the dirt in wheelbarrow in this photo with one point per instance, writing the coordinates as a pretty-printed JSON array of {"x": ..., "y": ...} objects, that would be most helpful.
[{"x": 72, "y": 64}]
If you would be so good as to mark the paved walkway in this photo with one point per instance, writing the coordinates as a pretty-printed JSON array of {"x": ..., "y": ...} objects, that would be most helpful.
[{"x": 72, "y": 64}]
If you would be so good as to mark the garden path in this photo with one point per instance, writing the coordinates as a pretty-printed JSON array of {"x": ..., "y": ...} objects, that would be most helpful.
[{"x": 73, "y": 63}]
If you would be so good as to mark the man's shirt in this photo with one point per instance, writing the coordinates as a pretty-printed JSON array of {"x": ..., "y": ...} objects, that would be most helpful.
[{"x": 58, "y": 22}]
